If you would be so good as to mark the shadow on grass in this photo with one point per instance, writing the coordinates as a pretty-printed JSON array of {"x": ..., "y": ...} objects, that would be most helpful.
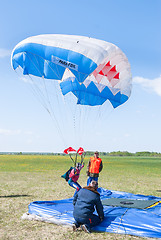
[{"x": 15, "y": 196}]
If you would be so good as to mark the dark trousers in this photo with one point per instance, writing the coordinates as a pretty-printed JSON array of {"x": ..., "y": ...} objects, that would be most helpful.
[
  {"x": 89, "y": 180},
  {"x": 75, "y": 185},
  {"x": 89, "y": 222}
]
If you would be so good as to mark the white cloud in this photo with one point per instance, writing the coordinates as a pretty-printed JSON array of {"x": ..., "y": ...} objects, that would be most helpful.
[
  {"x": 26, "y": 79},
  {"x": 127, "y": 135},
  {"x": 28, "y": 132},
  {"x": 4, "y": 53},
  {"x": 149, "y": 84},
  {"x": 8, "y": 132}
]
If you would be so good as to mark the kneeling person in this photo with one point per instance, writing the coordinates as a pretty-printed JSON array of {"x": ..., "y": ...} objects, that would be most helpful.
[{"x": 85, "y": 202}]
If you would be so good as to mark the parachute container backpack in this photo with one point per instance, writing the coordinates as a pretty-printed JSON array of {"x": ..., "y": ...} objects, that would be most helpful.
[{"x": 90, "y": 71}]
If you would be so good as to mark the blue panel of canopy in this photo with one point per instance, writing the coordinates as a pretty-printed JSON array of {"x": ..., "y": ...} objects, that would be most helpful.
[{"x": 122, "y": 220}]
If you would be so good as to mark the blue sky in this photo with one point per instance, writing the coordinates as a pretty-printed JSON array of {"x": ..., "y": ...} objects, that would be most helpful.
[{"x": 134, "y": 26}]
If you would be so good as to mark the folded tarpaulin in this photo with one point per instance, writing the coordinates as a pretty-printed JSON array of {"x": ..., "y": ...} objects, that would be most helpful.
[
  {"x": 130, "y": 203},
  {"x": 123, "y": 220}
]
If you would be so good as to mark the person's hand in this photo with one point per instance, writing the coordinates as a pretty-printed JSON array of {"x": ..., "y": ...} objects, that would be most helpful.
[{"x": 101, "y": 218}]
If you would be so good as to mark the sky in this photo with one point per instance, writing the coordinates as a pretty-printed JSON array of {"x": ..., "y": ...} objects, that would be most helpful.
[{"x": 134, "y": 26}]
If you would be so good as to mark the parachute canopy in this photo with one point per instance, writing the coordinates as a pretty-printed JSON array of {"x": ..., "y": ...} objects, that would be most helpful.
[
  {"x": 93, "y": 70},
  {"x": 69, "y": 150}
]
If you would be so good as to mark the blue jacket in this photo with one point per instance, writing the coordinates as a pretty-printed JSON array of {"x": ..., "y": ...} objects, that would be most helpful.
[{"x": 85, "y": 202}]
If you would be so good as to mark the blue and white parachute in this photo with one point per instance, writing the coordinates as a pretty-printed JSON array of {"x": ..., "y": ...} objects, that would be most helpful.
[
  {"x": 93, "y": 70},
  {"x": 76, "y": 79}
]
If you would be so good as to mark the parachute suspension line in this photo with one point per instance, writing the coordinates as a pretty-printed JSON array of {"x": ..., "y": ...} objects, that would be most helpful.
[
  {"x": 40, "y": 96},
  {"x": 76, "y": 119},
  {"x": 72, "y": 159},
  {"x": 57, "y": 74},
  {"x": 57, "y": 71},
  {"x": 57, "y": 88},
  {"x": 45, "y": 100},
  {"x": 106, "y": 111},
  {"x": 63, "y": 99},
  {"x": 68, "y": 110},
  {"x": 75, "y": 135},
  {"x": 38, "y": 93},
  {"x": 89, "y": 116},
  {"x": 44, "y": 83},
  {"x": 97, "y": 118},
  {"x": 82, "y": 157},
  {"x": 46, "y": 93},
  {"x": 35, "y": 90},
  {"x": 79, "y": 124},
  {"x": 74, "y": 122},
  {"x": 82, "y": 123},
  {"x": 71, "y": 110},
  {"x": 103, "y": 112},
  {"x": 73, "y": 113},
  {"x": 75, "y": 160},
  {"x": 88, "y": 112},
  {"x": 79, "y": 118},
  {"x": 52, "y": 112},
  {"x": 58, "y": 128}
]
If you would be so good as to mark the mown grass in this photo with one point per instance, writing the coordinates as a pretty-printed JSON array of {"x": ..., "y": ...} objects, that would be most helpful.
[{"x": 27, "y": 178}]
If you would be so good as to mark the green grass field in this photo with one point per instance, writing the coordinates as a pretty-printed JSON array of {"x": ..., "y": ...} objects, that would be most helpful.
[{"x": 27, "y": 178}]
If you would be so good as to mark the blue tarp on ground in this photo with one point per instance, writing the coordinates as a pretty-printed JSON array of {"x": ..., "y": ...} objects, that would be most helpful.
[{"x": 122, "y": 220}]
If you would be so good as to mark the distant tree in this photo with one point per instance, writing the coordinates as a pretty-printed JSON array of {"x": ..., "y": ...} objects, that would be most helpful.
[{"x": 119, "y": 153}]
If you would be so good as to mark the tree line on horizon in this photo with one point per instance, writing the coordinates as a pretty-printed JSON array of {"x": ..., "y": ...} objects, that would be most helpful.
[
  {"x": 89, "y": 153},
  {"x": 126, "y": 153}
]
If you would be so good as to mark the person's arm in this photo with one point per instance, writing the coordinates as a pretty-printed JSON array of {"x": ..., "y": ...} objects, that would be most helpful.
[
  {"x": 72, "y": 173},
  {"x": 75, "y": 199},
  {"x": 99, "y": 208},
  {"x": 101, "y": 166},
  {"x": 88, "y": 166}
]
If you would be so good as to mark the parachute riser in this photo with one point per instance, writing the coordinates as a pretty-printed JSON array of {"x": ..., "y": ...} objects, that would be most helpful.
[
  {"x": 82, "y": 157},
  {"x": 76, "y": 157},
  {"x": 72, "y": 159}
]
